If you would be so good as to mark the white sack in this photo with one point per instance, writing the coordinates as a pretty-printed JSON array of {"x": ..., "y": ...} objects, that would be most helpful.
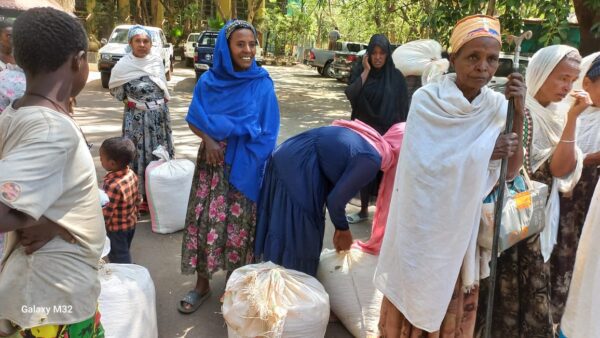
[
  {"x": 420, "y": 58},
  {"x": 127, "y": 301},
  {"x": 348, "y": 279},
  {"x": 168, "y": 185},
  {"x": 267, "y": 300}
]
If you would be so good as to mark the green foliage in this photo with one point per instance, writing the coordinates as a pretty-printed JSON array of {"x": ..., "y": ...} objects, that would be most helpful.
[
  {"x": 286, "y": 30},
  {"x": 216, "y": 23}
]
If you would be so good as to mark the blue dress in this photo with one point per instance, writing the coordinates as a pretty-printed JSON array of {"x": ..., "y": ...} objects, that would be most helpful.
[{"x": 321, "y": 167}]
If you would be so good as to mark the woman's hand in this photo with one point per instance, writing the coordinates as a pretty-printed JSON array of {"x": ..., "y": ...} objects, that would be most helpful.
[
  {"x": 213, "y": 151},
  {"x": 342, "y": 240},
  {"x": 582, "y": 102},
  {"x": 516, "y": 90},
  {"x": 35, "y": 237},
  {"x": 506, "y": 146},
  {"x": 365, "y": 63}
]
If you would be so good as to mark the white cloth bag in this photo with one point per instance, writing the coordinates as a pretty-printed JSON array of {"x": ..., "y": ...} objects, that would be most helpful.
[
  {"x": 348, "y": 279},
  {"x": 420, "y": 58},
  {"x": 168, "y": 185},
  {"x": 127, "y": 301},
  {"x": 267, "y": 300}
]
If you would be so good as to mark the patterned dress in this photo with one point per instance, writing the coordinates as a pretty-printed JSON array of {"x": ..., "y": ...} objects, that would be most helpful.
[
  {"x": 522, "y": 296},
  {"x": 220, "y": 222},
  {"x": 146, "y": 128}
]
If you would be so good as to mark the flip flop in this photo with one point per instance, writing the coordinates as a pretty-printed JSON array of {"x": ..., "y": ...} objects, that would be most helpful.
[
  {"x": 355, "y": 218},
  {"x": 194, "y": 298}
]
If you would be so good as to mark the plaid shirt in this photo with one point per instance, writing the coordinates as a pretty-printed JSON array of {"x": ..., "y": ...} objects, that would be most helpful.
[{"x": 122, "y": 190}]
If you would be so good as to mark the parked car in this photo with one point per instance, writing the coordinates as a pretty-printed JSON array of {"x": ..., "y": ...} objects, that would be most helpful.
[
  {"x": 505, "y": 68},
  {"x": 203, "y": 56},
  {"x": 322, "y": 59},
  {"x": 188, "y": 48},
  {"x": 114, "y": 49}
]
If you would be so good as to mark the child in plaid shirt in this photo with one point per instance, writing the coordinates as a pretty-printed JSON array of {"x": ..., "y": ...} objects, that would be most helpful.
[{"x": 121, "y": 186}]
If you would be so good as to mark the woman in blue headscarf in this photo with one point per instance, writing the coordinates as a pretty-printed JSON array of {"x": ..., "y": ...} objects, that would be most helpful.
[{"x": 234, "y": 111}]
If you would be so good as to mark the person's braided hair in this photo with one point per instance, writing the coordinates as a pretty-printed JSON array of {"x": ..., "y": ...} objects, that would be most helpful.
[{"x": 44, "y": 38}]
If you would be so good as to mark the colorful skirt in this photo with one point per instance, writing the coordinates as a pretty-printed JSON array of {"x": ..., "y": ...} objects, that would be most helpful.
[
  {"x": 89, "y": 328},
  {"x": 459, "y": 321},
  {"x": 220, "y": 223}
]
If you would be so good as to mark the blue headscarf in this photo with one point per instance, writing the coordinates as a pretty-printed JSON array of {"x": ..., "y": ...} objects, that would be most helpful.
[
  {"x": 240, "y": 108},
  {"x": 133, "y": 31}
]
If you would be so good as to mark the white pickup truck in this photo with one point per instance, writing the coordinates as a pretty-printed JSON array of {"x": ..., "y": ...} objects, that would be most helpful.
[{"x": 114, "y": 49}]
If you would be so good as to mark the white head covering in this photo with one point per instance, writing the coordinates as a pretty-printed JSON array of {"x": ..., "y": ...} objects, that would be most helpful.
[
  {"x": 588, "y": 123},
  {"x": 548, "y": 125},
  {"x": 131, "y": 67},
  {"x": 548, "y": 122}
]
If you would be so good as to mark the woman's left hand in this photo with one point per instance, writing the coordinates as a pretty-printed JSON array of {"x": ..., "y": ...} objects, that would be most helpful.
[
  {"x": 506, "y": 146},
  {"x": 516, "y": 89},
  {"x": 35, "y": 237},
  {"x": 342, "y": 240}
]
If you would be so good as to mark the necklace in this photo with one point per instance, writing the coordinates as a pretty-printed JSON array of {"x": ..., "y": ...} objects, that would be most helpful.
[{"x": 63, "y": 110}]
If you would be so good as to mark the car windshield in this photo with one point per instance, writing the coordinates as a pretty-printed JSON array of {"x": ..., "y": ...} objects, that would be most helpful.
[
  {"x": 208, "y": 40},
  {"x": 193, "y": 38},
  {"x": 120, "y": 36},
  {"x": 505, "y": 67}
]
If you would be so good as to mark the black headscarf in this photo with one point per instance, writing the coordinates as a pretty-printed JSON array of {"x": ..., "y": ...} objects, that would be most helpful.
[{"x": 383, "y": 99}]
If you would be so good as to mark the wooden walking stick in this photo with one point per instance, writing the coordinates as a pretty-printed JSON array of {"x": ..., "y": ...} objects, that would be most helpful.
[{"x": 500, "y": 200}]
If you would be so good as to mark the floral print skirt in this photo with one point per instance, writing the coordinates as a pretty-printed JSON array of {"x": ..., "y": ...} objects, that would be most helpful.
[{"x": 220, "y": 223}]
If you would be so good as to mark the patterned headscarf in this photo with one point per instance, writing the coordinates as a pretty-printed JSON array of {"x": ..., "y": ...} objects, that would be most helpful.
[
  {"x": 136, "y": 30},
  {"x": 238, "y": 24},
  {"x": 474, "y": 26}
]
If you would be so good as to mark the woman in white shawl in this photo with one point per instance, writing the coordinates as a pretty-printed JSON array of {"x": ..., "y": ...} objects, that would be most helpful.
[
  {"x": 525, "y": 292},
  {"x": 138, "y": 79},
  {"x": 428, "y": 267}
]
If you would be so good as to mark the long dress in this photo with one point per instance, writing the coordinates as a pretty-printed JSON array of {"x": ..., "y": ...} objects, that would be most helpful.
[
  {"x": 222, "y": 238},
  {"x": 146, "y": 128},
  {"x": 323, "y": 166},
  {"x": 522, "y": 296}
]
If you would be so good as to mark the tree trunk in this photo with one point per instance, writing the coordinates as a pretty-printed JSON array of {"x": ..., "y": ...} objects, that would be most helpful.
[
  {"x": 234, "y": 9},
  {"x": 587, "y": 18},
  {"x": 491, "y": 7}
]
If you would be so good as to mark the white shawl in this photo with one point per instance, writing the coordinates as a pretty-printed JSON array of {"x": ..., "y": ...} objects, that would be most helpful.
[
  {"x": 444, "y": 173},
  {"x": 131, "y": 67},
  {"x": 548, "y": 125},
  {"x": 583, "y": 305},
  {"x": 588, "y": 123}
]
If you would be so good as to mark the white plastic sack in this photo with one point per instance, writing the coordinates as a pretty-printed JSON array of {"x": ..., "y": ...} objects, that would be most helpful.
[
  {"x": 267, "y": 300},
  {"x": 104, "y": 199},
  {"x": 348, "y": 278},
  {"x": 127, "y": 301},
  {"x": 168, "y": 185},
  {"x": 420, "y": 58}
]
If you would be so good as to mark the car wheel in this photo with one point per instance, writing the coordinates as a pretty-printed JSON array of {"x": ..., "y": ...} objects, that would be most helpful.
[
  {"x": 104, "y": 78},
  {"x": 189, "y": 62},
  {"x": 328, "y": 70},
  {"x": 320, "y": 70}
]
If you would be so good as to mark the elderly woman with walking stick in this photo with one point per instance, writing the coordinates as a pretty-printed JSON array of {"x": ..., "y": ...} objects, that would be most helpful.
[{"x": 428, "y": 268}]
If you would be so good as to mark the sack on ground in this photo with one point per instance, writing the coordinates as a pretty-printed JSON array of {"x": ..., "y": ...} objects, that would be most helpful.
[
  {"x": 168, "y": 185},
  {"x": 127, "y": 301},
  {"x": 267, "y": 300},
  {"x": 348, "y": 279}
]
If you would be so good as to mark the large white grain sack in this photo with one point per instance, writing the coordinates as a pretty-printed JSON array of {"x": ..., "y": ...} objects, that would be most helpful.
[
  {"x": 348, "y": 279},
  {"x": 127, "y": 301},
  {"x": 420, "y": 58},
  {"x": 267, "y": 300},
  {"x": 168, "y": 185}
]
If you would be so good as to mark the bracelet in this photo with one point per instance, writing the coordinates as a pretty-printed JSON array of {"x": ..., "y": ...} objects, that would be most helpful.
[{"x": 568, "y": 141}]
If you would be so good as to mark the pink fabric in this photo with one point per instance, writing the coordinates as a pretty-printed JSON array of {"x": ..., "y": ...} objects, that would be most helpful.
[{"x": 388, "y": 147}]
